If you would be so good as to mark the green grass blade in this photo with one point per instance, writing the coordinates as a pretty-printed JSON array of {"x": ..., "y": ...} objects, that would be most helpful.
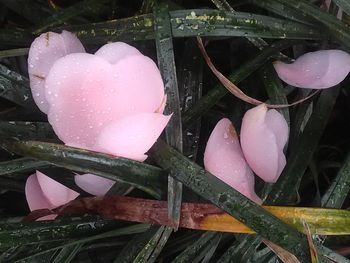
[
  {"x": 17, "y": 234},
  {"x": 299, "y": 160},
  {"x": 231, "y": 201},
  {"x": 15, "y": 37},
  {"x": 336, "y": 28},
  {"x": 198, "y": 250},
  {"x": 215, "y": 94},
  {"x": 143, "y": 176},
  {"x": 20, "y": 165},
  {"x": 14, "y": 87},
  {"x": 19, "y": 130},
  {"x": 67, "y": 254},
  {"x": 14, "y": 52},
  {"x": 285, "y": 11},
  {"x": 60, "y": 17},
  {"x": 344, "y": 5},
  {"x": 339, "y": 189},
  {"x": 173, "y": 131}
]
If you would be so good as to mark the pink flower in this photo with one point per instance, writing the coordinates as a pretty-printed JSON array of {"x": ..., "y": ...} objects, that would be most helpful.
[
  {"x": 264, "y": 133},
  {"x": 315, "y": 70},
  {"x": 110, "y": 102},
  {"x": 42, "y": 192},
  {"x": 223, "y": 158}
]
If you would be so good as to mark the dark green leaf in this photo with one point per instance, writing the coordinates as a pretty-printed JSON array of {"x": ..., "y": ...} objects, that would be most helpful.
[
  {"x": 19, "y": 165},
  {"x": 143, "y": 176}
]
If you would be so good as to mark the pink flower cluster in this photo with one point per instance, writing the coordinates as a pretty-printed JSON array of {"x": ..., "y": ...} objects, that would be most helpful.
[{"x": 111, "y": 102}]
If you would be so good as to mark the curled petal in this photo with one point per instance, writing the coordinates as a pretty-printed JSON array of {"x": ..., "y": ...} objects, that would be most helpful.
[
  {"x": 43, "y": 192},
  {"x": 131, "y": 137},
  {"x": 93, "y": 184},
  {"x": 263, "y": 137},
  {"x": 43, "y": 53},
  {"x": 315, "y": 70},
  {"x": 223, "y": 158},
  {"x": 114, "y": 52}
]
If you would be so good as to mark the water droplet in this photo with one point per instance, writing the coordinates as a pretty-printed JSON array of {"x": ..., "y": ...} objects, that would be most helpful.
[{"x": 225, "y": 135}]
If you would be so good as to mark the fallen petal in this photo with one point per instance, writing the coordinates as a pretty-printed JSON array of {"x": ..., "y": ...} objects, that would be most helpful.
[
  {"x": 93, "y": 184},
  {"x": 34, "y": 195},
  {"x": 43, "y": 53},
  {"x": 315, "y": 70},
  {"x": 131, "y": 137},
  {"x": 47, "y": 218},
  {"x": 55, "y": 193},
  {"x": 263, "y": 137},
  {"x": 223, "y": 158}
]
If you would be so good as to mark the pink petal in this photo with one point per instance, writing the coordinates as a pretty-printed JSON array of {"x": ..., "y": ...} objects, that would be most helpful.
[
  {"x": 93, "y": 184},
  {"x": 57, "y": 194},
  {"x": 114, "y": 52},
  {"x": 315, "y": 70},
  {"x": 86, "y": 93},
  {"x": 223, "y": 158},
  {"x": 34, "y": 195},
  {"x": 43, "y": 53},
  {"x": 263, "y": 137},
  {"x": 131, "y": 137}
]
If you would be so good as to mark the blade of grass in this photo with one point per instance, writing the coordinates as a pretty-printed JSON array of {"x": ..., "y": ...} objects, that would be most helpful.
[
  {"x": 339, "y": 189},
  {"x": 14, "y": 52},
  {"x": 197, "y": 251},
  {"x": 128, "y": 230},
  {"x": 19, "y": 165},
  {"x": 15, "y": 88},
  {"x": 68, "y": 253},
  {"x": 173, "y": 131},
  {"x": 143, "y": 176},
  {"x": 17, "y": 234},
  {"x": 336, "y": 28},
  {"x": 215, "y": 94},
  {"x": 231, "y": 201},
  {"x": 285, "y": 11},
  {"x": 15, "y": 37},
  {"x": 344, "y": 5},
  {"x": 60, "y": 17}
]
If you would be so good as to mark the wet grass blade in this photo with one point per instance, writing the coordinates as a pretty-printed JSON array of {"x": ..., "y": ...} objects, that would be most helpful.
[
  {"x": 68, "y": 253},
  {"x": 128, "y": 230},
  {"x": 60, "y": 17},
  {"x": 14, "y": 87},
  {"x": 344, "y": 5},
  {"x": 19, "y": 165},
  {"x": 19, "y": 130},
  {"x": 336, "y": 28},
  {"x": 173, "y": 131},
  {"x": 197, "y": 251},
  {"x": 17, "y": 234},
  {"x": 15, "y": 37},
  {"x": 340, "y": 187},
  {"x": 215, "y": 94},
  {"x": 231, "y": 201},
  {"x": 299, "y": 160},
  {"x": 285, "y": 11},
  {"x": 30, "y": 10},
  {"x": 143, "y": 176},
  {"x": 14, "y": 52}
]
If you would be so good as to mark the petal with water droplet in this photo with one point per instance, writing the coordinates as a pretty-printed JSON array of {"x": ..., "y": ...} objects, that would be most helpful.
[
  {"x": 131, "y": 137},
  {"x": 43, "y": 53},
  {"x": 114, "y": 52},
  {"x": 263, "y": 137},
  {"x": 93, "y": 184},
  {"x": 315, "y": 70},
  {"x": 223, "y": 158}
]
